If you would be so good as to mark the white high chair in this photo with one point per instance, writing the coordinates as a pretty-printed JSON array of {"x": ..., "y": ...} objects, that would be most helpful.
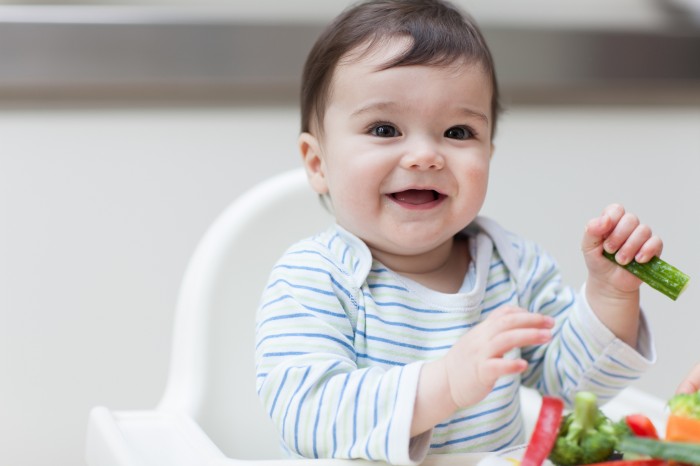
[{"x": 210, "y": 413}]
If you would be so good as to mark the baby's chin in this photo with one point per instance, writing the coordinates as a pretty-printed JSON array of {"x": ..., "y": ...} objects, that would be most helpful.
[{"x": 408, "y": 247}]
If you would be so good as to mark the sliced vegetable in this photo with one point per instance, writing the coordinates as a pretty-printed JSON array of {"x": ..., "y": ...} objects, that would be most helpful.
[
  {"x": 683, "y": 424},
  {"x": 545, "y": 433},
  {"x": 682, "y": 429},
  {"x": 641, "y": 425},
  {"x": 639, "y": 462},
  {"x": 685, "y": 404},
  {"x": 658, "y": 274},
  {"x": 673, "y": 451}
]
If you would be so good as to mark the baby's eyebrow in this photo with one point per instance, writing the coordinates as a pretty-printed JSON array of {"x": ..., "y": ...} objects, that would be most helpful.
[
  {"x": 396, "y": 106},
  {"x": 474, "y": 113},
  {"x": 376, "y": 106}
]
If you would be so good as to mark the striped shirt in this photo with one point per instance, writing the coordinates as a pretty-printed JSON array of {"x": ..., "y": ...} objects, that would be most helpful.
[{"x": 340, "y": 340}]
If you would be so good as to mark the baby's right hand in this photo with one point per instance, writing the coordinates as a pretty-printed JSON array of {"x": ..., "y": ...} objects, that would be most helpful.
[{"x": 476, "y": 361}]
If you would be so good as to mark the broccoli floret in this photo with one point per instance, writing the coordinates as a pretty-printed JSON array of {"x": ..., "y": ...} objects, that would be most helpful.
[
  {"x": 597, "y": 447},
  {"x": 565, "y": 452},
  {"x": 686, "y": 405},
  {"x": 586, "y": 435}
]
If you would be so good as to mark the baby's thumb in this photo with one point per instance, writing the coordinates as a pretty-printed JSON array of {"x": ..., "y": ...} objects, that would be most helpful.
[{"x": 593, "y": 235}]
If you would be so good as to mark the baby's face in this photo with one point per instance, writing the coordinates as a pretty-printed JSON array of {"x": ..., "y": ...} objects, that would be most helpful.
[{"x": 404, "y": 152}]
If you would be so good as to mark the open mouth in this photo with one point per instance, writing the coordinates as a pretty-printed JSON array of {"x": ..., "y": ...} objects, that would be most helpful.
[{"x": 417, "y": 197}]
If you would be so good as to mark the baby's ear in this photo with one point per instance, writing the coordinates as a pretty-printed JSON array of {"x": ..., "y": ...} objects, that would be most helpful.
[{"x": 313, "y": 162}]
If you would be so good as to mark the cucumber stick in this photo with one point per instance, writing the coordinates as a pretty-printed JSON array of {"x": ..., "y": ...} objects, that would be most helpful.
[
  {"x": 658, "y": 274},
  {"x": 683, "y": 452}
]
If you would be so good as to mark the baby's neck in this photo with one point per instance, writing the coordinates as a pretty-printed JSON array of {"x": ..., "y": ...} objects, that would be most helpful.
[{"x": 441, "y": 270}]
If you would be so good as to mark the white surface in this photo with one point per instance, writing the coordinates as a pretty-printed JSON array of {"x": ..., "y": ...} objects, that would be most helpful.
[
  {"x": 102, "y": 208},
  {"x": 142, "y": 438}
]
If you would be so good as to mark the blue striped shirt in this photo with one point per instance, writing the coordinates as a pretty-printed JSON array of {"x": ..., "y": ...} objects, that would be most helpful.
[{"x": 340, "y": 340}]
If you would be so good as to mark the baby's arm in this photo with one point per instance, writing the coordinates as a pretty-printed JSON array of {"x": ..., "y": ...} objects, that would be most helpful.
[
  {"x": 469, "y": 371},
  {"x": 611, "y": 291},
  {"x": 311, "y": 380},
  {"x": 691, "y": 384}
]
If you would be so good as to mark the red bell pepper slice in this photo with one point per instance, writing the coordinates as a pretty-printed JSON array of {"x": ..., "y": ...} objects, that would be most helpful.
[
  {"x": 638, "y": 462},
  {"x": 641, "y": 426},
  {"x": 545, "y": 433}
]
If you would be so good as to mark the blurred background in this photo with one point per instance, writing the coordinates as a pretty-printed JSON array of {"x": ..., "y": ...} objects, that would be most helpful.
[{"x": 125, "y": 128}]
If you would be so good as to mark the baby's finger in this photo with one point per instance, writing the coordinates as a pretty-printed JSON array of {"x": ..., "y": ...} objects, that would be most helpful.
[
  {"x": 629, "y": 249},
  {"x": 493, "y": 369},
  {"x": 603, "y": 224},
  {"x": 691, "y": 384},
  {"x": 599, "y": 228},
  {"x": 517, "y": 318},
  {"x": 506, "y": 341},
  {"x": 614, "y": 211},
  {"x": 651, "y": 248},
  {"x": 687, "y": 387},
  {"x": 621, "y": 232},
  {"x": 596, "y": 230}
]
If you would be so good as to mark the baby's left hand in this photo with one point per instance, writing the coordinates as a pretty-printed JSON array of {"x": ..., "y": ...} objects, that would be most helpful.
[
  {"x": 618, "y": 232},
  {"x": 691, "y": 384}
]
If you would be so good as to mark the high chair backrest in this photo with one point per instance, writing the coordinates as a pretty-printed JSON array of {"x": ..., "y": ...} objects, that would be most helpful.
[{"x": 212, "y": 368}]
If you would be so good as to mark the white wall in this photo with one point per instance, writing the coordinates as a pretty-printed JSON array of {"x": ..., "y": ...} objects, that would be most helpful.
[{"x": 100, "y": 209}]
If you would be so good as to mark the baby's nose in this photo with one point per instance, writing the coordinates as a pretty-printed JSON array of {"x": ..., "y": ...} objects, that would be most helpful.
[{"x": 423, "y": 157}]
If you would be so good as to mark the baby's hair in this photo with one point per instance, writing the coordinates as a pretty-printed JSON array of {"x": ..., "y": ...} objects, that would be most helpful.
[{"x": 441, "y": 35}]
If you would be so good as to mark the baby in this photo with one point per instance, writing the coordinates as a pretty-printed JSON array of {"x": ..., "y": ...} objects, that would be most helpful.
[{"x": 408, "y": 327}]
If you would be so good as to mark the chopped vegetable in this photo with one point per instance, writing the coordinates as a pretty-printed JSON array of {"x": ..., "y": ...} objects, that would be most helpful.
[
  {"x": 586, "y": 435},
  {"x": 682, "y": 429},
  {"x": 545, "y": 432},
  {"x": 641, "y": 425},
  {"x": 658, "y": 274},
  {"x": 683, "y": 452},
  {"x": 683, "y": 424},
  {"x": 686, "y": 405},
  {"x": 635, "y": 462}
]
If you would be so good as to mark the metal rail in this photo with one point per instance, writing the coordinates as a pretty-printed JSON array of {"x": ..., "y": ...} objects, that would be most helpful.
[{"x": 136, "y": 54}]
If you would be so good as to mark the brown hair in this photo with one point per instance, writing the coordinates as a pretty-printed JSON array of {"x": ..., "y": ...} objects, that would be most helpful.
[{"x": 441, "y": 34}]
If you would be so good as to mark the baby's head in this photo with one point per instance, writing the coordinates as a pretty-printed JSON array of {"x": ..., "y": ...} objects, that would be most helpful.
[{"x": 440, "y": 35}]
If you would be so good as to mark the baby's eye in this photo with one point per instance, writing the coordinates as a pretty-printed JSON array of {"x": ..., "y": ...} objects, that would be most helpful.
[
  {"x": 459, "y": 132},
  {"x": 384, "y": 131}
]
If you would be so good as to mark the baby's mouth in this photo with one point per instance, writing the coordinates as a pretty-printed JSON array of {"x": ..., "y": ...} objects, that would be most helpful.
[{"x": 417, "y": 196}]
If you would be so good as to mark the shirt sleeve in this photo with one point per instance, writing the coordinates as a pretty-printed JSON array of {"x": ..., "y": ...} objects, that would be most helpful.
[
  {"x": 583, "y": 353},
  {"x": 322, "y": 404}
]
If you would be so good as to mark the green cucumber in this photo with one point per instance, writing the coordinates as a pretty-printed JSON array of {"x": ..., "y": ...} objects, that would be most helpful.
[
  {"x": 658, "y": 274},
  {"x": 683, "y": 452}
]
